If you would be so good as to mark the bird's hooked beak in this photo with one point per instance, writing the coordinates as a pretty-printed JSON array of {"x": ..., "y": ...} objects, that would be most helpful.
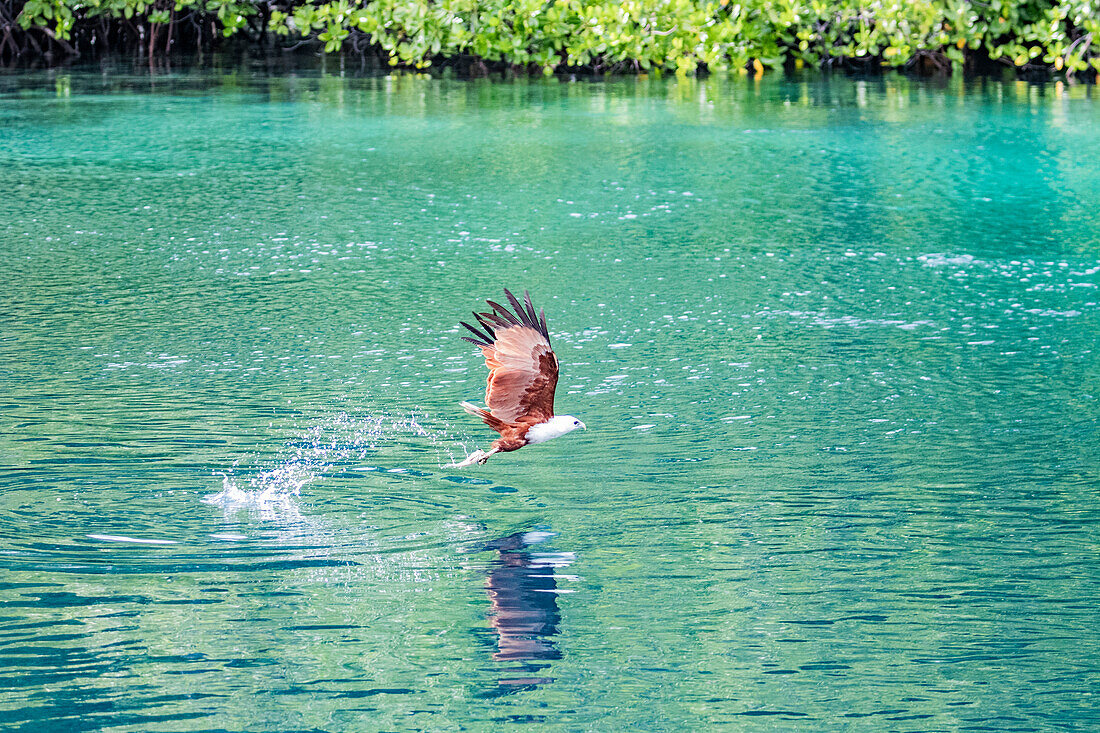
[{"x": 584, "y": 427}]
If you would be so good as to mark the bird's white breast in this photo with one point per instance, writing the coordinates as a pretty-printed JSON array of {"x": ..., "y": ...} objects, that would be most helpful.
[{"x": 548, "y": 430}]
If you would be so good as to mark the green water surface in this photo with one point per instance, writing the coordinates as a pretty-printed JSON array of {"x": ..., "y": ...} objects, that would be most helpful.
[{"x": 835, "y": 342}]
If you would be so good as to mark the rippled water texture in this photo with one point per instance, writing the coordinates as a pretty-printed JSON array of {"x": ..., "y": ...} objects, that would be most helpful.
[{"x": 834, "y": 341}]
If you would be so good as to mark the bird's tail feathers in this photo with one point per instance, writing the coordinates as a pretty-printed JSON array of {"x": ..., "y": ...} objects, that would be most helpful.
[{"x": 484, "y": 415}]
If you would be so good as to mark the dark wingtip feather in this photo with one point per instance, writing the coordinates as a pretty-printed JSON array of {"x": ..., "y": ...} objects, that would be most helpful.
[
  {"x": 530, "y": 308},
  {"x": 484, "y": 338},
  {"x": 515, "y": 304},
  {"x": 502, "y": 318},
  {"x": 504, "y": 313},
  {"x": 495, "y": 320},
  {"x": 526, "y": 312},
  {"x": 487, "y": 326}
]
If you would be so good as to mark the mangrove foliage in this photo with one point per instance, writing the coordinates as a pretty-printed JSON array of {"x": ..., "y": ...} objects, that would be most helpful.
[{"x": 683, "y": 36}]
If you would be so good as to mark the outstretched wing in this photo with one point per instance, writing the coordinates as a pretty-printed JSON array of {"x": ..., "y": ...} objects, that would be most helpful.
[{"x": 523, "y": 370}]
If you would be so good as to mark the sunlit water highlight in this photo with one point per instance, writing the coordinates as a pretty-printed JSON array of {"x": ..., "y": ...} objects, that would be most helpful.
[{"x": 834, "y": 341}]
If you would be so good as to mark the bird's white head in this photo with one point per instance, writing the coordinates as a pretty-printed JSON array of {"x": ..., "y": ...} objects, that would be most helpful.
[{"x": 555, "y": 427}]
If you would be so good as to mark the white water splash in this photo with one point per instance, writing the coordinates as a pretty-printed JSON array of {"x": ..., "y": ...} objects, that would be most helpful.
[
  {"x": 339, "y": 442},
  {"x": 271, "y": 493}
]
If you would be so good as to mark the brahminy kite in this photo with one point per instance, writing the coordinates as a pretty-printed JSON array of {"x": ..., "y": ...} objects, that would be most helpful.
[{"x": 523, "y": 372}]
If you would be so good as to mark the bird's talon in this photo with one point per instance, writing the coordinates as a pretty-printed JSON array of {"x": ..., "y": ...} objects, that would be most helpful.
[{"x": 475, "y": 457}]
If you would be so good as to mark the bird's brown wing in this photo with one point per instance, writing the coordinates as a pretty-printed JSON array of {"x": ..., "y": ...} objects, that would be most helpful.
[{"x": 523, "y": 369}]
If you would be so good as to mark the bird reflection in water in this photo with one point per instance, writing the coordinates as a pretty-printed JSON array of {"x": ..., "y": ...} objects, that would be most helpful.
[{"x": 523, "y": 598}]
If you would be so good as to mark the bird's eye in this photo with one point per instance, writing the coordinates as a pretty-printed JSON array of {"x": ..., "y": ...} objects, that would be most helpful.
[{"x": 576, "y": 422}]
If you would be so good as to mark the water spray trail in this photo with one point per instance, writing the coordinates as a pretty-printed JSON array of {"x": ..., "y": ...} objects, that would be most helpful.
[{"x": 337, "y": 443}]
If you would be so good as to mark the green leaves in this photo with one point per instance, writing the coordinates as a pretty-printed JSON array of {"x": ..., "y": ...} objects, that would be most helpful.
[{"x": 680, "y": 36}]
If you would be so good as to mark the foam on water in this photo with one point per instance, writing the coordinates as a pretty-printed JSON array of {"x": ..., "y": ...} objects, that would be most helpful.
[{"x": 132, "y": 540}]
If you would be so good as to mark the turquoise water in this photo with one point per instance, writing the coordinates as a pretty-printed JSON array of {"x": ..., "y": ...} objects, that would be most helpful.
[{"x": 834, "y": 341}]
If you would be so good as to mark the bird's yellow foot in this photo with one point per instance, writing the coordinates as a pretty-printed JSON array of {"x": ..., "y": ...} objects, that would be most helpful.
[{"x": 478, "y": 456}]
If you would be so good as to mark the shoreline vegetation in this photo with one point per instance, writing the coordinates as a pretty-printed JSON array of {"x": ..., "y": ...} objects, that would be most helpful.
[{"x": 580, "y": 36}]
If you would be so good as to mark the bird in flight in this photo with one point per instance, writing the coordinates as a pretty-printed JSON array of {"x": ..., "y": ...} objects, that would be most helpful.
[{"x": 523, "y": 372}]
